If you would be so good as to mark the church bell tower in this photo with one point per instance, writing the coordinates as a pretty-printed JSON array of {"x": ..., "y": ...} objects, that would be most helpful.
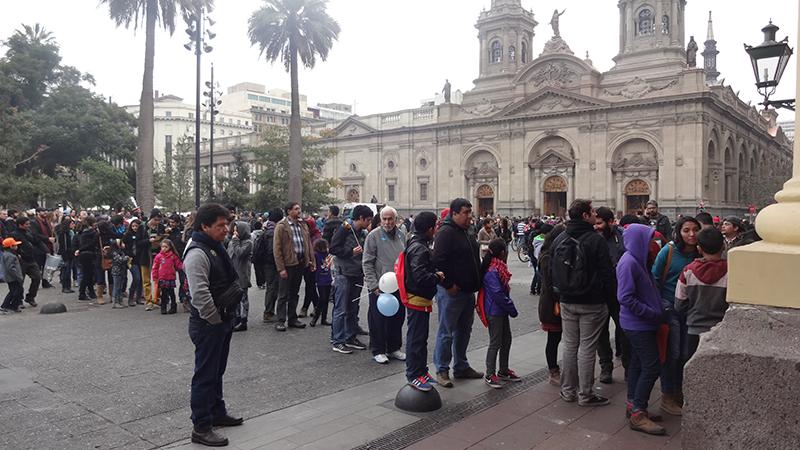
[
  {"x": 651, "y": 36},
  {"x": 505, "y": 32}
]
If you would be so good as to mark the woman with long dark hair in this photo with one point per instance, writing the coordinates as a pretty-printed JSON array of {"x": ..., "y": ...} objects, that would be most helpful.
[
  {"x": 88, "y": 251},
  {"x": 65, "y": 232},
  {"x": 132, "y": 236},
  {"x": 668, "y": 266},
  {"x": 549, "y": 307}
]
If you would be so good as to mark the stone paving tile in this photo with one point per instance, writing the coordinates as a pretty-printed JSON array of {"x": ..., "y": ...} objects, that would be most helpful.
[
  {"x": 440, "y": 442},
  {"x": 266, "y": 438},
  {"x": 309, "y": 434},
  {"x": 572, "y": 438},
  {"x": 475, "y": 428},
  {"x": 527, "y": 402},
  {"x": 521, "y": 434},
  {"x": 346, "y": 438}
]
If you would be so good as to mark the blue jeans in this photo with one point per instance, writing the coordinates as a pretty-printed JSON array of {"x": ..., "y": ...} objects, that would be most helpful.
[
  {"x": 677, "y": 354},
  {"x": 644, "y": 367},
  {"x": 456, "y": 313},
  {"x": 416, "y": 343},
  {"x": 66, "y": 273},
  {"x": 211, "y": 347},
  {"x": 135, "y": 291},
  {"x": 345, "y": 308},
  {"x": 117, "y": 287}
]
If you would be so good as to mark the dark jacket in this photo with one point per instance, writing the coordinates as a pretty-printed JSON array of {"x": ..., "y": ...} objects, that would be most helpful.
[
  {"x": 13, "y": 268},
  {"x": 88, "y": 241},
  {"x": 549, "y": 298},
  {"x": 31, "y": 246},
  {"x": 598, "y": 263},
  {"x": 662, "y": 225},
  {"x": 455, "y": 253},
  {"x": 330, "y": 228},
  {"x": 342, "y": 245},
  {"x": 639, "y": 299},
  {"x": 616, "y": 245},
  {"x": 140, "y": 245},
  {"x": 65, "y": 241},
  {"x": 43, "y": 231},
  {"x": 421, "y": 279}
]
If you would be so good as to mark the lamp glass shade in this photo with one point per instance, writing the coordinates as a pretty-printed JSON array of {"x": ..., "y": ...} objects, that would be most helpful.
[{"x": 769, "y": 62}]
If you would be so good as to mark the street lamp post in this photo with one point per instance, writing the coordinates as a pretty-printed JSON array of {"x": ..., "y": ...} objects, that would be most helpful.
[
  {"x": 195, "y": 31},
  {"x": 213, "y": 95},
  {"x": 769, "y": 60}
]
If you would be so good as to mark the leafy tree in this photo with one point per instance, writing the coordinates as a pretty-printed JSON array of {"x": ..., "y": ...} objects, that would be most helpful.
[
  {"x": 149, "y": 12},
  {"x": 104, "y": 184},
  {"x": 273, "y": 157},
  {"x": 235, "y": 186},
  {"x": 292, "y": 29},
  {"x": 31, "y": 65},
  {"x": 174, "y": 182}
]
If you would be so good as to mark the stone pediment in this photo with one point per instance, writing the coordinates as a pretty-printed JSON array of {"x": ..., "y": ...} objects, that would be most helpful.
[
  {"x": 551, "y": 100},
  {"x": 559, "y": 70},
  {"x": 552, "y": 158},
  {"x": 353, "y": 127}
]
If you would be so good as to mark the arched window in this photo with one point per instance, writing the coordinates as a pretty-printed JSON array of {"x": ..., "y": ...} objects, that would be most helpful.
[
  {"x": 712, "y": 152},
  {"x": 524, "y": 56},
  {"x": 665, "y": 24},
  {"x": 645, "y": 22},
  {"x": 496, "y": 54},
  {"x": 512, "y": 53}
]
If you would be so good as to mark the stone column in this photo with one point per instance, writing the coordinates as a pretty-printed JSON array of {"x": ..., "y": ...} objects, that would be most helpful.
[{"x": 741, "y": 387}]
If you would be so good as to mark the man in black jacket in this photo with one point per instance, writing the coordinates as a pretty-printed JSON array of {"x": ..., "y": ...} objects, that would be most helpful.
[
  {"x": 30, "y": 249},
  {"x": 332, "y": 224},
  {"x": 583, "y": 315},
  {"x": 455, "y": 253},
  {"x": 656, "y": 220}
]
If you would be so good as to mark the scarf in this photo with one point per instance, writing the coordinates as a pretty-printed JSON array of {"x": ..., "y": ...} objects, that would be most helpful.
[
  {"x": 206, "y": 240},
  {"x": 502, "y": 271}
]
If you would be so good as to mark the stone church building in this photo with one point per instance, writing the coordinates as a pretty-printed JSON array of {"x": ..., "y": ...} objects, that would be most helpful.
[{"x": 536, "y": 132}]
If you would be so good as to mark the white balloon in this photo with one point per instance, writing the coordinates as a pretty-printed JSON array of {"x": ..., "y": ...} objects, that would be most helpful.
[{"x": 388, "y": 283}]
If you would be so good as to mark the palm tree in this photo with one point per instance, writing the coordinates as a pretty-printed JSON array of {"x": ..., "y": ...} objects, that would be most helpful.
[
  {"x": 148, "y": 13},
  {"x": 287, "y": 29}
]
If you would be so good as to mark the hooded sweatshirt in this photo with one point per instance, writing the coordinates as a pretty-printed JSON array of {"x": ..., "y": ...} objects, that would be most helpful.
[
  {"x": 701, "y": 292},
  {"x": 240, "y": 250},
  {"x": 639, "y": 299}
]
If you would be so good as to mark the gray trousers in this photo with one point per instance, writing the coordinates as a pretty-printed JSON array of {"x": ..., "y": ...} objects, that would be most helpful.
[{"x": 581, "y": 326}]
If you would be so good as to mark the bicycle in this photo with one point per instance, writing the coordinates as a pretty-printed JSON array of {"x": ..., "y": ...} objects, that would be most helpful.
[{"x": 522, "y": 253}]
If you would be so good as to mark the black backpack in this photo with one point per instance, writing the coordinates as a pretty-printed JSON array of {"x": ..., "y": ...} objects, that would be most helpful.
[
  {"x": 262, "y": 250},
  {"x": 569, "y": 267}
]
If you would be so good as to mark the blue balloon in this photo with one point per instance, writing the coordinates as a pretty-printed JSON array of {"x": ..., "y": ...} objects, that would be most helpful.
[{"x": 388, "y": 304}]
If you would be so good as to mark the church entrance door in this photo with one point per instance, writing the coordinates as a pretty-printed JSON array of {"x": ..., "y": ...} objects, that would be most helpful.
[
  {"x": 485, "y": 195},
  {"x": 555, "y": 196},
  {"x": 637, "y": 194}
]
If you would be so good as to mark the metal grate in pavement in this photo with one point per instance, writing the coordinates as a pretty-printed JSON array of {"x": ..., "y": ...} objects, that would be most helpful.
[{"x": 436, "y": 421}]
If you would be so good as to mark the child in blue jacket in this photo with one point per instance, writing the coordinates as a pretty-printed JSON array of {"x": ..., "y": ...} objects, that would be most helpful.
[{"x": 498, "y": 306}]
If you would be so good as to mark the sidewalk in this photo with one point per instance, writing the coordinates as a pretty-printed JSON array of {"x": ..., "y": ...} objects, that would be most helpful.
[
  {"x": 538, "y": 418},
  {"x": 360, "y": 414}
]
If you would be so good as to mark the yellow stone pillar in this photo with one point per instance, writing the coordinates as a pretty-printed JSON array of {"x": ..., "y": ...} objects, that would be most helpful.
[{"x": 768, "y": 272}]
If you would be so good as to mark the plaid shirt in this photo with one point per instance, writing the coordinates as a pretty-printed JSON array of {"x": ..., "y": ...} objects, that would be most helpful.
[{"x": 297, "y": 238}]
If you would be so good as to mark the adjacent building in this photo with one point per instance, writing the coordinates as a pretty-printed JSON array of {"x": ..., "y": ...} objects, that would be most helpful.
[
  {"x": 538, "y": 131},
  {"x": 174, "y": 119}
]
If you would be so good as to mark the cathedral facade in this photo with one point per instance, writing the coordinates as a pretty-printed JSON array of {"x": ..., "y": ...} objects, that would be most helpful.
[{"x": 537, "y": 132}]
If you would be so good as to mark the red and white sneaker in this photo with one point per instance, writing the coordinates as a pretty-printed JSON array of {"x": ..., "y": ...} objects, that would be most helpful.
[{"x": 510, "y": 375}]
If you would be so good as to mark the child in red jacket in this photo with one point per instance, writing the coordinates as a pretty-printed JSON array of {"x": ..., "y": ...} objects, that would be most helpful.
[{"x": 166, "y": 265}]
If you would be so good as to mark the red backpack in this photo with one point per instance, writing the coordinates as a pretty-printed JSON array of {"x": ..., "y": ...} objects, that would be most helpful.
[
  {"x": 400, "y": 273},
  {"x": 480, "y": 307}
]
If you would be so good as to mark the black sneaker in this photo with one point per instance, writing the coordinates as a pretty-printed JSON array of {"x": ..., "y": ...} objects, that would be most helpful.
[
  {"x": 594, "y": 400},
  {"x": 297, "y": 324},
  {"x": 228, "y": 421},
  {"x": 280, "y": 326},
  {"x": 567, "y": 398},
  {"x": 341, "y": 348},
  {"x": 32, "y": 302},
  {"x": 356, "y": 344},
  {"x": 362, "y": 332}
]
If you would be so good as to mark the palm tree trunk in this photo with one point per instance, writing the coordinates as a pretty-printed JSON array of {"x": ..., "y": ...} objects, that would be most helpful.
[
  {"x": 144, "y": 152},
  {"x": 295, "y": 138}
]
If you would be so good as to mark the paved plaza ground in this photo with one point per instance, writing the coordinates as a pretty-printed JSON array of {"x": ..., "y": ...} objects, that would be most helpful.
[{"x": 101, "y": 378}]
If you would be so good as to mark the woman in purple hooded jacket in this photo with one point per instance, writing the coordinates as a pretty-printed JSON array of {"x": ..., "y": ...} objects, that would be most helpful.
[{"x": 640, "y": 316}]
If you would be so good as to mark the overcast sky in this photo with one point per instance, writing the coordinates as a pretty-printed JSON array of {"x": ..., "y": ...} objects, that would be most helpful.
[{"x": 391, "y": 53}]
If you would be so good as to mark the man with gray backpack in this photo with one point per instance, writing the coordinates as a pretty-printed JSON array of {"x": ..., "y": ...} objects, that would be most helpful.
[{"x": 582, "y": 275}]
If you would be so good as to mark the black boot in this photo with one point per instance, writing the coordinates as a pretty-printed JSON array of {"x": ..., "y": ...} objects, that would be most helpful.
[
  {"x": 241, "y": 325},
  {"x": 163, "y": 307},
  {"x": 324, "y": 315},
  {"x": 314, "y": 319},
  {"x": 173, "y": 307},
  {"x": 209, "y": 438}
]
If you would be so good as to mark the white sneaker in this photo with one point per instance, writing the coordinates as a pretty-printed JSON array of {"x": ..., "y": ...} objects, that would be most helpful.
[
  {"x": 380, "y": 358},
  {"x": 398, "y": 355}
]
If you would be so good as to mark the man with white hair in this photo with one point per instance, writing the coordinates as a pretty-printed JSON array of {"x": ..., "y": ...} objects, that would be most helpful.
[{"x": 381, "y": 249}]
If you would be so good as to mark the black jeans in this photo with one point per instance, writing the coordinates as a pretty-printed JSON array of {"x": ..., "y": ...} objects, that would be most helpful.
[
  {"x": 211, "y": 347},
  {"x": 499, "y": 341},
  {"x": 288, "y": 290},
  {"x": 417, "y": 343},
  {"x": 271, "y": 283},
  {"x": 65, "y": 276},
  {"x": 310, "y": 297},
  {"x": 31, "y": 270},
  {"x": 167, "y": 298},
  {"x": 260, "y": 270},
  {"x": 644, "y": 367},
  {"x": 323, "y": 300},
  {"x": 604, "y": 351},
  {"x": 694, "y": 341},
  {"x": 385, "y": 333},
  {"x": 86, "y": 261},
  {"x": 13, "y": 299},
  {"x": 551, "y": 349}
]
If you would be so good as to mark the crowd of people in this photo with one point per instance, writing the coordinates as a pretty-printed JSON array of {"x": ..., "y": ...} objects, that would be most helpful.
[{"x": 662, "y": 284}]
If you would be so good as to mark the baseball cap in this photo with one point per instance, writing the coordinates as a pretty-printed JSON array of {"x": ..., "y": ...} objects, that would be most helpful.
[{"x": 10, "y": 242}]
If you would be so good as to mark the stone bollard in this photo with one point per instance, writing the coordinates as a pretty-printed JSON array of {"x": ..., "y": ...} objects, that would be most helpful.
[
  {"x": 53, "y": 308},
  {"x": 414, "y": 400}
]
